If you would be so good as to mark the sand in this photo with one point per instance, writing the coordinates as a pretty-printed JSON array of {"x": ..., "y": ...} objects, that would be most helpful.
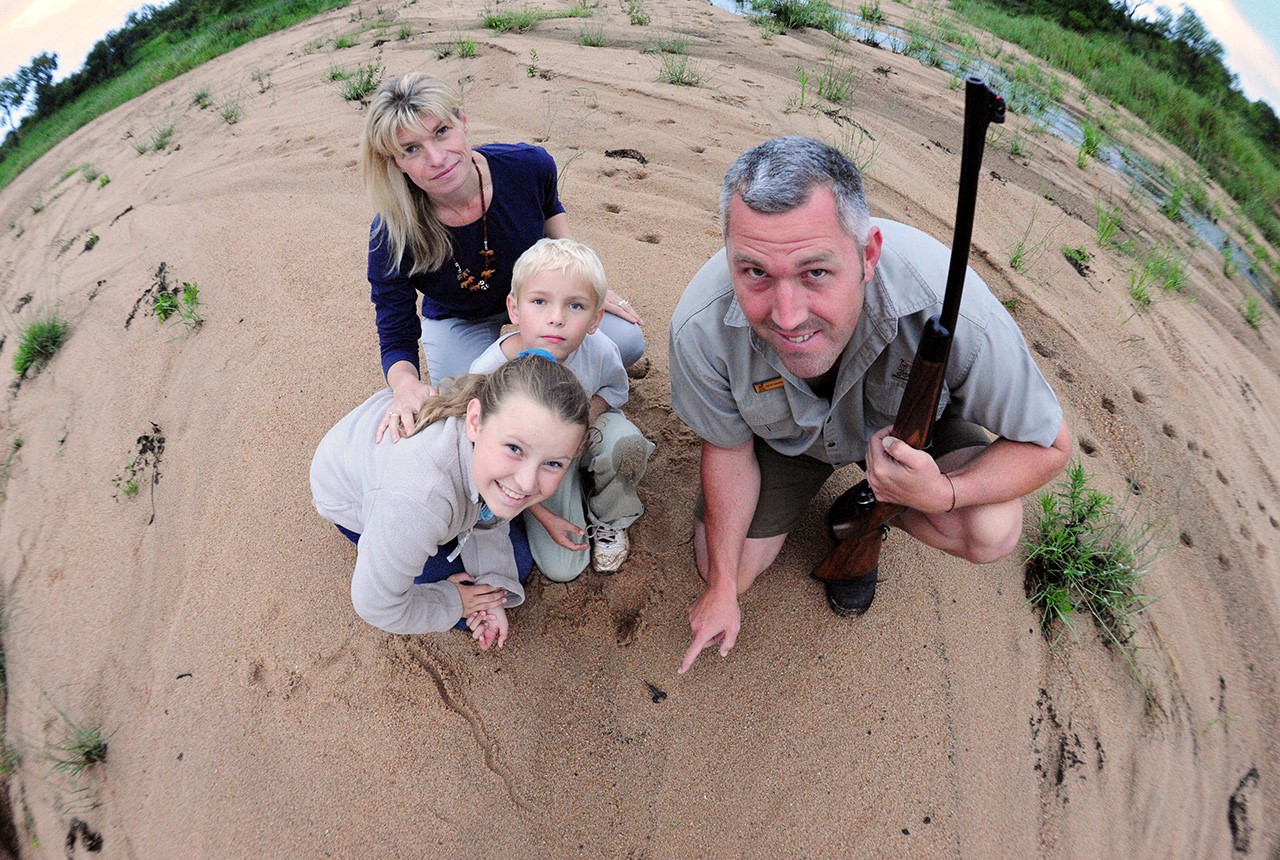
[{"x": 206, "y": 625}]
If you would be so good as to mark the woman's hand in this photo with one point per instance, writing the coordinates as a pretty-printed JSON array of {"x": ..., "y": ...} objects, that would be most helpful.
[
  {"x": 477, "y": 598},
  {"x": 562, "y": 531},
  {"x": 409, "y": 396},
  {"x": 620, "y": 307}
]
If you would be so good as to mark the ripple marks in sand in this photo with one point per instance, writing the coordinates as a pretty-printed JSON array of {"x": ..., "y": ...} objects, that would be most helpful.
[{"x": 454, "y": 699}]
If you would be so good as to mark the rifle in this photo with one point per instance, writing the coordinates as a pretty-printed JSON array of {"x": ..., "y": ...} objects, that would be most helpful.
[{"x": 857, "y": 520}]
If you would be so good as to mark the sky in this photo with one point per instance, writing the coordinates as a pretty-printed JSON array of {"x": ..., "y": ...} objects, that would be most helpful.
[{"x": 1248, "y": 29}]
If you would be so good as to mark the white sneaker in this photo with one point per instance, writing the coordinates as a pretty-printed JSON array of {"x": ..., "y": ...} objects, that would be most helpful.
[{"x": 610, "y": 549}]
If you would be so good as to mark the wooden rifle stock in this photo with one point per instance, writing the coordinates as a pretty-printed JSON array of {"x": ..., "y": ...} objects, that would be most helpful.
[{"x": 857, "y": 520}]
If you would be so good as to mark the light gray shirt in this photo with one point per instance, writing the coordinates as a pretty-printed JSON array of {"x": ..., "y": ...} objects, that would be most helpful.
[
  {"x": 405, "y": 499},
  {"x": 727, "y": 384},
  {"x": 596, "y": 362}
]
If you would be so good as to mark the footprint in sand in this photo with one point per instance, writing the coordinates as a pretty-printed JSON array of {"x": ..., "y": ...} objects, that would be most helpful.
[{"x": 1139, "y": 396}]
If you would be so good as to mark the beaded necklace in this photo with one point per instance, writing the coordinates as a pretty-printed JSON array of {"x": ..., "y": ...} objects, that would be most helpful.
[{"x": 466, "y": 280}]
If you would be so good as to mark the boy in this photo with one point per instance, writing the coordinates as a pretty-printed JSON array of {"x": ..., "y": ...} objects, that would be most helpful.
[{"x": 557, "y": 297}]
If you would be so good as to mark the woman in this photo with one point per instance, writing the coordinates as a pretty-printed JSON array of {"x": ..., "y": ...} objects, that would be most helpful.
[{"x": 451, "y": 222}]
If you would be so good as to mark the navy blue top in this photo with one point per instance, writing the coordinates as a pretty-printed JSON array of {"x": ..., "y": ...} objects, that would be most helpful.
[{"x": 524, "y": 198}]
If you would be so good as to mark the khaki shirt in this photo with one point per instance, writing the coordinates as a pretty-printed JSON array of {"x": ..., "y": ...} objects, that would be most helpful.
[{"x": 727, "y": 384}]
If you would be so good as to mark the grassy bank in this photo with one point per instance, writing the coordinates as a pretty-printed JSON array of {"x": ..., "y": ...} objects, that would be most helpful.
[
  {"x": 1217, "y": 141},
  {"x": 163, "y": 57}
]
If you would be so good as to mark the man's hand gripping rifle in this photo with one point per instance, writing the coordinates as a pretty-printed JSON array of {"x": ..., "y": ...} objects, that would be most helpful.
[{"x": 856, "y": 519}]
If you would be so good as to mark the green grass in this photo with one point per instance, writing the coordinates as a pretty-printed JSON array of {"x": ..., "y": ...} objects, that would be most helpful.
[
  {"x": 91, "y": 242},
  {"x": 1089, "y": 145},
  {"x": 1108, "y": 223},
  {"x": 520, "y": 20},
  {"x": 667, "y": 45},
  {"x": 343, "y": 41},
  {"x": 1077, "y": 257},
  {"x": 466, "y": 48},
  {"x": 102, "y": 181},
  {"x": 1168, "y": 269},
  {"x": 836, "y": 84},
  {"x": 361, "y": 82},
  {"x": 636, "y": 13},
  {"x": 163, "y": 58},
  {"x": 40, "y": 342},
  {"x": 230, "y": 112},
  {"x": 202, "y": 98},
  {"x": 800, "y": 14},
  {"x": 1253, "y": 313},
  {"x": 80, "y": 747},
  {"x": 1171, "y": 208},
  {"x": 592, "y": 36},
  {"x": 679, "y": 71},
  {"x": 404, "y": 33},
  {"x": 1084, "y": 558},
  {"x": 186, "y": 307},
  {"x": 1140, "y": 289},
  {"x": 871, "y": 13}
]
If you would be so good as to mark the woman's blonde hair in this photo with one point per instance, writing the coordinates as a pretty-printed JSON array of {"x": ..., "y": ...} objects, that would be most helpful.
[
  {"x": 402, "y": 104},
  {"x": 568, "y": 255},
  {"x": 542, "y": 380}
]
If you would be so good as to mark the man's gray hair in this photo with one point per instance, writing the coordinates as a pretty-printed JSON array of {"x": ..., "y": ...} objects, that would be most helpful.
[{"x": 779, "y": 175}]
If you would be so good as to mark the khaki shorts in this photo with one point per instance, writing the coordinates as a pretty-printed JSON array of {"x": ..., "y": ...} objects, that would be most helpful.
[{"x": 788, "y": 484}]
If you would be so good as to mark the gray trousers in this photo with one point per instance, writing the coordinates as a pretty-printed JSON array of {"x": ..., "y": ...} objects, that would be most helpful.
[{"x": 614, "y": 462}]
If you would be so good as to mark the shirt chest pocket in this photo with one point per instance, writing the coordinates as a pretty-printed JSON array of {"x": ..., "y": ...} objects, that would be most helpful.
[
  {"x": 769, "y": 414},
  {"x": 881, "y": 402}
]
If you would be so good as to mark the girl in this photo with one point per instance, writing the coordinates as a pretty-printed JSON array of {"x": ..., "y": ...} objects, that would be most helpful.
[{"x": 429, "y": 515}]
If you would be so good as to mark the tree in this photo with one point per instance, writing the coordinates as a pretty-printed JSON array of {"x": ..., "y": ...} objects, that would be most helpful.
[{"x": 13, "y": 95}]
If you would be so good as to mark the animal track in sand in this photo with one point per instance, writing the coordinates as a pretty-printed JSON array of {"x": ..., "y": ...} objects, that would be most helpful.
[
  {"x": 1139, "y": 396},
  {"x": 1088, "y": 447},
  {"x": 613, "y": 208},
  {"x": 1109, "y": 404},
  {"x": 650, "y": 238},
  {"x": 1169, "y": 431},
  {"x": 1223, "y": 478}
]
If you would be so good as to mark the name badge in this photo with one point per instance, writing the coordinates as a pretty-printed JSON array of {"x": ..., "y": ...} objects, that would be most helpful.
[{"x": 767, "y": 385}]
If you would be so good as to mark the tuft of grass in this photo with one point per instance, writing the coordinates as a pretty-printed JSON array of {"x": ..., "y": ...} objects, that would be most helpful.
[
  {"x": 836, "y": 84},
  {"x": 679, "y": 71},
  {"x": 1084, "y": 557},
  {"x": 362, "y": 82},
  {"x": 1171, "y": 208},
  {"x": 102, "y": 181},
  {"x": 40, "y": 342},
  {"x": 161, "y": 137},
  {"x": 1078, "y": 257},
  {"x": 858, "y": 146},
  {"x": 343, "y": 41},
  {"x": 312, "y": 46},
  {"x": 1253, "y": 313},
  {"x": 202, "y": 98},
  {"x": 164, "y": 306},
  {"x": 592, "y": 36},
  {"x": 636, "y": 13},
  {"x": 404, "y": 33},
  {"x": 1108, "y": 223},
  {"x": 667, "y": 45},
  {"x": 89, "y": 172},
  {"x": 520, "y": 20},
  {"x": 230, "y": 112},
  {"x": 262, "y": 79},
  {"x": 466, "y": 48},
  {"x": 1167, "y": 268},
  {"x": 1140, "y": 289},
  {"x": 1229, "y": 267},
  {"x": 872, "y": 13},
  {"x": 91, "y": 242},
  {"x": 80, "y": 747},
  {"x": 126, "y": 483},
  {"x": 799, "y": 14},
  {"x": 1089, "y": 145},
  {"x": 38, "y": 204}
]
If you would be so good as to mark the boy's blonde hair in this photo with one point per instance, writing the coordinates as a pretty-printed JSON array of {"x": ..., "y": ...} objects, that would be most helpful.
[
  {"x": 406, "y": 103},
  {"x": 548, "y": 255}
]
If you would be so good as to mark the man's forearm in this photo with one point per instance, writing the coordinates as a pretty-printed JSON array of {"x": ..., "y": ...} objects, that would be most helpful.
[
  {"x": 730, "y": 491},
  {"x": 1010, "y": 470}
]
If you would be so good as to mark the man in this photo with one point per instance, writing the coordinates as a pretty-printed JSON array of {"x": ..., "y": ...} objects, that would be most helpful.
[{"x": 789, "y": 353}]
